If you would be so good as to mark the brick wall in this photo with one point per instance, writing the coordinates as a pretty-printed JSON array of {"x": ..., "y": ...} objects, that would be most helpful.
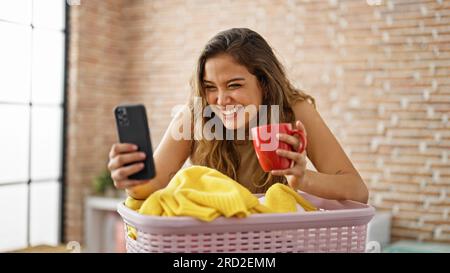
[
  {"x": 380, "y": 75},
  {"x": 96, "y": 67}
]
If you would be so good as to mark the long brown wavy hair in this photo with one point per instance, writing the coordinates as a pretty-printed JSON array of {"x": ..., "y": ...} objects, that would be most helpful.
[{"x": 249, "y": 49}]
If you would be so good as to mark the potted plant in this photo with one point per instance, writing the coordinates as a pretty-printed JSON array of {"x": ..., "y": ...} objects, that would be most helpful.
[{"x": 104, "y": 185}]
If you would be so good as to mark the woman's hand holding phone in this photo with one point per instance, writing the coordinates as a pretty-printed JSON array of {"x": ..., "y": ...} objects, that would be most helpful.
[{"x": 125, "y": 160}]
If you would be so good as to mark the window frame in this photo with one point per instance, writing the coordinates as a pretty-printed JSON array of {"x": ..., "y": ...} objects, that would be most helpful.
[{"x": 62, "y": 106}]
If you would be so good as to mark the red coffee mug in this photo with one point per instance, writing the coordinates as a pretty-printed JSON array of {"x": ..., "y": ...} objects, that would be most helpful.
[{"x": 266, "y": 144}]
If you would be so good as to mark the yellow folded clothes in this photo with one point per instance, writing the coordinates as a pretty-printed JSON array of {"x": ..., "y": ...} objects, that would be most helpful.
[
  {"x": 282, "y": 198},
  {"x": 206, "y": 194},
  {"x": 133, "y": 204}
]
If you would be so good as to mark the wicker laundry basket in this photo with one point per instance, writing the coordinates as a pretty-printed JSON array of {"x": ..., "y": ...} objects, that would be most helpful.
[{"x": 339, "y": 226}]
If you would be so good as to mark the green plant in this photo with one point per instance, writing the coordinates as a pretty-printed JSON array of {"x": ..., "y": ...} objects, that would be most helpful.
[{"x": 103, "y": 182}]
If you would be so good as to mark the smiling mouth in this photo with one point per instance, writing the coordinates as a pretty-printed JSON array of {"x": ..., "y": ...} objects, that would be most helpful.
[{"x": 231, "y": 113}]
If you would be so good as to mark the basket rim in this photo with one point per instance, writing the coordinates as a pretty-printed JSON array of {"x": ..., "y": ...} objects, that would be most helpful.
[{"x": 350, "y": 213}]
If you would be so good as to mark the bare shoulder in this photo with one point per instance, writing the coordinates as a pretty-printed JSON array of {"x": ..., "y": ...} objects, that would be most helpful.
[{"x": 306, "y": 113}]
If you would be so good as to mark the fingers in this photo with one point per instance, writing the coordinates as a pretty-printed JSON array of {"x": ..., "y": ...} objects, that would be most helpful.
[
  {"x": 282, "y": 172},
  {"x": 123, "y": 184},
  {"x": 297, "y": 157},
  {"x": 300, "y": 126},
  {"x": 124, "y": 172},
  {"x": 298, "y": 167},
  {"x": 119, "y": 148},
  {"x": 296, "y": 170},
  {"x": 122, "y": 154},
  {"x": 291, "y": 140},
  {"x": 120, "y": 160}
]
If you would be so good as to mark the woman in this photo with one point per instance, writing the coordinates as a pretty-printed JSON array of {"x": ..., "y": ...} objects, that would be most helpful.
[{"x": 238, "y": 69}]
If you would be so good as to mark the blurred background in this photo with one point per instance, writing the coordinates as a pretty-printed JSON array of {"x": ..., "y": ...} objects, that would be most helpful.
[{"x": 378, "y": 69}]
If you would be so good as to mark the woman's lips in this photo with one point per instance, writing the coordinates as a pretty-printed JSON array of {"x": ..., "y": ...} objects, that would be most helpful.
[{"x": 231, "y": 114}]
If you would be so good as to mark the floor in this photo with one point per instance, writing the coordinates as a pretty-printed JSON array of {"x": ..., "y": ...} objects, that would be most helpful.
[{"x": 45, "y": 249}]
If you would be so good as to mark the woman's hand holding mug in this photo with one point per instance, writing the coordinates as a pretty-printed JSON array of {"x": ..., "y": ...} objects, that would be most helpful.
[{"x": 280, "y": 152}]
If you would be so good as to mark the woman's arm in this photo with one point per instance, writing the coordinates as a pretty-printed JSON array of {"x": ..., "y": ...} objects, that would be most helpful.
[
  {"x": 336, "y": 177},
  {"x": 169, "y": 157}
]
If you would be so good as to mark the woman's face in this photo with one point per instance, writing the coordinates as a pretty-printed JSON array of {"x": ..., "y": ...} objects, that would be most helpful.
[{"x": 231, "y": 90}]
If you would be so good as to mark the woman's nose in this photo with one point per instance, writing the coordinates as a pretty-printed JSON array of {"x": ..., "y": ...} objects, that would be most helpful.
[{"x": 223, "y": 98}]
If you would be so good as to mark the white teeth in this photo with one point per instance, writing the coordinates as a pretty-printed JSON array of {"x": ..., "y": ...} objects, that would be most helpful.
[{"x": 230, "y": 112}]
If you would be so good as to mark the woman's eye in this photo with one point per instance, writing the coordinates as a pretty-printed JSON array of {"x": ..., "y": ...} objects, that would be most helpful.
[
  {"x": 234, "y": 86},
  {"x": 210, "y": 88}
]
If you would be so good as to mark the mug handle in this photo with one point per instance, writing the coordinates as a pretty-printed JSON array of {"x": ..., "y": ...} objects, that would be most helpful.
[{"x": 302, "y": 137}]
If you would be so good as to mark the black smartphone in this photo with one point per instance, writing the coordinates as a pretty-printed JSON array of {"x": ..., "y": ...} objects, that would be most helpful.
[{"x": 132, "y": 127}]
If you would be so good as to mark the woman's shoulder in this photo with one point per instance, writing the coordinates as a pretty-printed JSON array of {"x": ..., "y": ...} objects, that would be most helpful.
[{"x": 304, "y": 109}]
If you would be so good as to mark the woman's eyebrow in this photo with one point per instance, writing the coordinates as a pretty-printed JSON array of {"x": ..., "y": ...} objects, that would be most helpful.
[{"x": 230, "y": 80}]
